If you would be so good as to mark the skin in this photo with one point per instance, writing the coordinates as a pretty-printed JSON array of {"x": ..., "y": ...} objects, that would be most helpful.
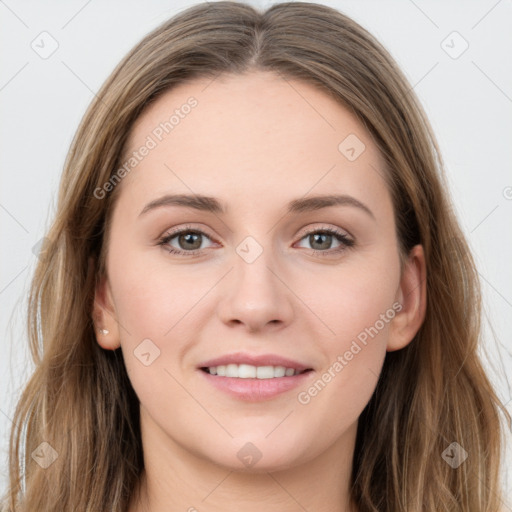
[{"x": 255, "y": 143}]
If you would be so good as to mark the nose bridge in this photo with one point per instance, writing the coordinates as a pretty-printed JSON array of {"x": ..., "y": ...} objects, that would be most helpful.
[
  {"x": 252, "y": 269},
  {"x": 255, "y": 295}
]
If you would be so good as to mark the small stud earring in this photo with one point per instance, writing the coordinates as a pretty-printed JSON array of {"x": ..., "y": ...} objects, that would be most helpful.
[{"x": 104, "y": 331}]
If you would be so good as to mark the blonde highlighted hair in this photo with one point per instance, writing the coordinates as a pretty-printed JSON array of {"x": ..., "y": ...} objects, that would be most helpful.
[{"x": 430, "y": 394}]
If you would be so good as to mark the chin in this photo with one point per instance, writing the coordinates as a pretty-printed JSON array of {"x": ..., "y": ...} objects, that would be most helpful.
[
  {"x": 259, "y": 454},
  {"x": 267, "y": 464}
]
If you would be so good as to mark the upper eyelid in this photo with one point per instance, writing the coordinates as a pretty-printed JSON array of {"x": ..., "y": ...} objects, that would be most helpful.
[
  {"x": 175, "y": 232},
  {"x": 326, "y": 228}
]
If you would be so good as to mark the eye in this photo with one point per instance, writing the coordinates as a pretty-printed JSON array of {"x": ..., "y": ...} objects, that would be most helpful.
[
  {"x": 321, "y": 240},
  {"x": 189, "y": 239}
]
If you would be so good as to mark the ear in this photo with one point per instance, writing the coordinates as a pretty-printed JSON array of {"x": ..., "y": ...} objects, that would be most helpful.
[
  {"x": 412, "y": 297},
  {"x": 105, "y": 322}
]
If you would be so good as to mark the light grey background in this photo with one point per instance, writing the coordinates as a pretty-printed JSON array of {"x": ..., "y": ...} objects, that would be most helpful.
[{"x": 468, "y": 98}]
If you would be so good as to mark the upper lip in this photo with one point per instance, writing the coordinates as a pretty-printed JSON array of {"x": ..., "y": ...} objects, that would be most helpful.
[{"x": 255, "y": 360}]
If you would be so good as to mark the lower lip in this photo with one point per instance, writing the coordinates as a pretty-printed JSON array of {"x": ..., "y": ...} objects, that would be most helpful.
[{"x": 254, "y": 390}]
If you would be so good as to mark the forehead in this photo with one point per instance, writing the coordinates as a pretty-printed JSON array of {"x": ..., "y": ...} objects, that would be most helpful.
[{"x": 252, "y": 133}]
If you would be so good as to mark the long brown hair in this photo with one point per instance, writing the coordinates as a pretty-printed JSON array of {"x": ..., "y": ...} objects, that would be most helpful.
[{"x": 430, "y": 394}]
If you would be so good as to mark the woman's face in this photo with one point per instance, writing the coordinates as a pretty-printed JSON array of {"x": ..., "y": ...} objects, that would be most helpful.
[{"x": 259, "y": 284}]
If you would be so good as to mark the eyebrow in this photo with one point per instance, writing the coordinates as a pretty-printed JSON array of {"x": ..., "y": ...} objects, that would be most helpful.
[{"x": 213, "y": 205}]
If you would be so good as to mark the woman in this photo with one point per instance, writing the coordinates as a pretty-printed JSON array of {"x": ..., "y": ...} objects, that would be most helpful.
[{"x": 256, "y": 369}]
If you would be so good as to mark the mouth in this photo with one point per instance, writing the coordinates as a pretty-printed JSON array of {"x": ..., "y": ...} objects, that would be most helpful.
[{"x": 254, "y": 378}]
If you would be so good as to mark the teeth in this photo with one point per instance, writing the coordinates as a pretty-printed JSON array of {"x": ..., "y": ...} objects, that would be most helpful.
[
  {"x": 243, "y": 371},
  {"x": 247, "y": 371}
]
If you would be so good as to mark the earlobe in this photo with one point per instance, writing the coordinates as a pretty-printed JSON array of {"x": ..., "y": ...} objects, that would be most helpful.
[
  {"x": 104, "y": 317},
  {"x": 412, "y": 296}
]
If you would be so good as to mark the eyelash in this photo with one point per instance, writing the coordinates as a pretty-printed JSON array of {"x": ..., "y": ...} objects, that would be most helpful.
[{"x": 340, "y": 236}]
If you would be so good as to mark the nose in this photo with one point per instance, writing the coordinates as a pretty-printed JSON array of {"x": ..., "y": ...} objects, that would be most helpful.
[{"x": 256, "y": 295}]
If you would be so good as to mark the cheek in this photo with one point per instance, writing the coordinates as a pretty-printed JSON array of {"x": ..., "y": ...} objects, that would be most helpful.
[
  {"x": 357, "y": 305},
  {"x": 352, "y": 296},
  {"x": 155, "y": 312},
  {"x": 161, "y": 307},
  {"x": 151, "y": 297}
]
